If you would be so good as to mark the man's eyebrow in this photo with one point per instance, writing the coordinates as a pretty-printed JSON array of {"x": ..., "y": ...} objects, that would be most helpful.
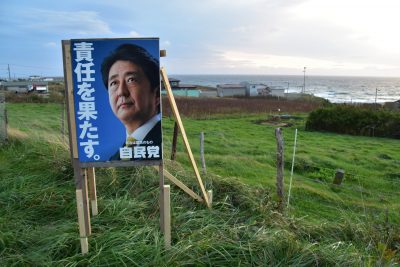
[
  {"x": 135, "y": 73},
  {"x": 112, "y": 77}
]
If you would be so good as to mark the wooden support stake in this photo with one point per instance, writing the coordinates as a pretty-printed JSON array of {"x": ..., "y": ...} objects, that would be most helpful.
[
  {"x": 167, "y": 217},
  {"x": 279, "y": 168},
  {"x": 92, "y": 190},
  {"x": 183, "y": 132},
  {"x": 181, "y": 185},
  {"x": 174, "y": 140},
  {"x": 161, "y": 186},
  {"x": 203, "y": 161},
  {"x": 81, "y": 221},
  {"x": 210, "y": 196}
]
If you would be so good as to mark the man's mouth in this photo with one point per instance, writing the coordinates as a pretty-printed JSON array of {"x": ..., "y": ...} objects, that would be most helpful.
[{"x": 125, "y": 105}]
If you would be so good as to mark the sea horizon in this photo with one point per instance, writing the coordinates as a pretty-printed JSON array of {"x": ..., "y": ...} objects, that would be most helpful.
[{"x": 337, "y": 89}]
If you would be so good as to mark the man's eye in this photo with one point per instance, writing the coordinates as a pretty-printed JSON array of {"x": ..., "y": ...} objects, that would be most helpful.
[
  {"x": 112, "y": 83},
  {"x": 131, "y": 79}
]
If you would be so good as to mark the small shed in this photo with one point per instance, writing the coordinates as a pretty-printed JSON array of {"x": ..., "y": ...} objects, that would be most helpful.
[
  {"x": 277, "y": 91},
  {"x": 227, "y": 90},
  {"x": 179, "y": 89}
]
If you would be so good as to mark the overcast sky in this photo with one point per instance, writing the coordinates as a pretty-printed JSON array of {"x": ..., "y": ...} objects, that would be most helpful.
[{"x": 329, "y": 37}]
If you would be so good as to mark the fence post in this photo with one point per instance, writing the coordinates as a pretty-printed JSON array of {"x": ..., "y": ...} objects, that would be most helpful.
[
  {"x": 174, "y": 140},
  {"x": 338, "y": 177},
  {"x": 3, "y": 118},
  {"x": 203, "y": 161},
  {"x": 279, "y": 168}
]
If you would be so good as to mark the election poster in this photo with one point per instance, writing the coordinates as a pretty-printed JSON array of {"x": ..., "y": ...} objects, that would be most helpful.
[{"x": 116, "y": 90}]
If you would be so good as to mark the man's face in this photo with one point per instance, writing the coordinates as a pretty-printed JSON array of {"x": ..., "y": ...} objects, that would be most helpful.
[{"x": 131, "y": 97}]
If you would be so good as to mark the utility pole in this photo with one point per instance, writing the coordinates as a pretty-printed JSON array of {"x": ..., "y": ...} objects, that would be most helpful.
[
  {"x": 376, "y": 96},
  {"x": 304, "y": 81},
  {"x": 9, "y": 73}
]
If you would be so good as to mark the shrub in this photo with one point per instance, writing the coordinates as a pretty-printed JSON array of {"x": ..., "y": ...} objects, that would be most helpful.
[{"x": 355, "y": 120}]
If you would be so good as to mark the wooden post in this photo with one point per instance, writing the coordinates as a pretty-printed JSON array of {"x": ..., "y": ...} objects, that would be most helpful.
[
  {"x": 210, "y": 196},
  {"x": 3, "y": 118},
  {"x": 6, "y": 124},
  {"x": 167, "y": 216},
  {"x": 63, "y": 119},
  {"x": 92, "y": 190},
  {"x": 79, "y": 173},
  {"x": 174, "y": 140},
  {"x": 82, "y": 207},
  {"x": 161, "y": 186},
  {"x": 338, "y": 177},
  {"x": 203, "y": 161},
  {"x": 279, "y": 168}
]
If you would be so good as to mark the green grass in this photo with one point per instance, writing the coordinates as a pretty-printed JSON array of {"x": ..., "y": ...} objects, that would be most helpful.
[
  {"x": 238, "y": 147},
  {"x": 356, "y": 224}
]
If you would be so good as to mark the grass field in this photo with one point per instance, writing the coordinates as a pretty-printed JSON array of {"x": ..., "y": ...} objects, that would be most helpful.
[{"x": 355, "y": 224}]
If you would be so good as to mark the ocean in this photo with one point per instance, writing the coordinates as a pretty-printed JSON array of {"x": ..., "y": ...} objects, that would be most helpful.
[{"x": 335, "y": 89}]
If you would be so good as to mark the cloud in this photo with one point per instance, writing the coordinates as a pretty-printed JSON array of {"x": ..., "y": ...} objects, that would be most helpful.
[
  {"x": 134, "y": 34},
  {"x": 50, "y": 21},
  {"x": 165, "y": 43}
]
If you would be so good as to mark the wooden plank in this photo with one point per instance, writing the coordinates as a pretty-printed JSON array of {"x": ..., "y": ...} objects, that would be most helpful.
[
  {"x": 81, "y": 217},
  {"x": 181, "y": 185},
  {"x": 84, "y": 245},
  {"x": 81, "y": 184},
  {"x": 210, "y": 196},
  {"x": 167, "y": 217},
  {"x": 182, "y": 130},
  {"x": 91, "y": 174},
  {"x": 86, "y": 201},
  {"x": 69, "y": 94},
  {"x": 81, "y": 222},
  {"x": 161, "y": 186}
]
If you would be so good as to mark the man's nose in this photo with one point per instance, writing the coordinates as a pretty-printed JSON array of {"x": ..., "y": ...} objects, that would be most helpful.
[{"x": 123, "y": 89}]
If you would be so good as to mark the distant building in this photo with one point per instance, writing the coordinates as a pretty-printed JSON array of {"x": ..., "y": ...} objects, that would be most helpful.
[
  {"x": 208, "y": 93},
  {"x": 227, "y": 90},
  {"x": 277, "y": 91},
  {"x": 26, "y": 86},
  {"x": 393, "y": 105},
  {"x": 35, "y": 78},
  {"x": 249, "y": 89},
  {"x": 179, "y": 89},
  {"x": 253, "y": 89}
]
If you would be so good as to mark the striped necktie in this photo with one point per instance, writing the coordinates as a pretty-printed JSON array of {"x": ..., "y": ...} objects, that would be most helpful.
[{"x": 130, "y": 141}]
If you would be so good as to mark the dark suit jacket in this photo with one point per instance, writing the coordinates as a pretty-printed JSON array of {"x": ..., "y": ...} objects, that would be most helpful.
[{"x": 154, "y": 135}]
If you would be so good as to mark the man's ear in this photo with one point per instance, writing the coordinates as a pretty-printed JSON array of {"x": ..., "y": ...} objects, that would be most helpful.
[{"x": 157, "y": 97}]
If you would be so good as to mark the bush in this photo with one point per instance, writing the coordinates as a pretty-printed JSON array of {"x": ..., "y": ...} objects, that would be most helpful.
[{"x": 355, "y": 120}]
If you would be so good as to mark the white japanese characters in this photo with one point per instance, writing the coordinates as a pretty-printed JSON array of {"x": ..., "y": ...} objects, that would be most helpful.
[
  {"x": 87, "y": 113},
  {"x": 139, "y": 152}
]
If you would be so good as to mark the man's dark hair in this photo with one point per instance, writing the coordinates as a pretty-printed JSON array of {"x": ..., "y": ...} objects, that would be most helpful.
[{"x": 136, "y": 55}]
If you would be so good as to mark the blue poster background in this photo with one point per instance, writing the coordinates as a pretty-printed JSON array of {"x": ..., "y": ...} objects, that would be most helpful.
[{"x": 111, "y": 132}]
